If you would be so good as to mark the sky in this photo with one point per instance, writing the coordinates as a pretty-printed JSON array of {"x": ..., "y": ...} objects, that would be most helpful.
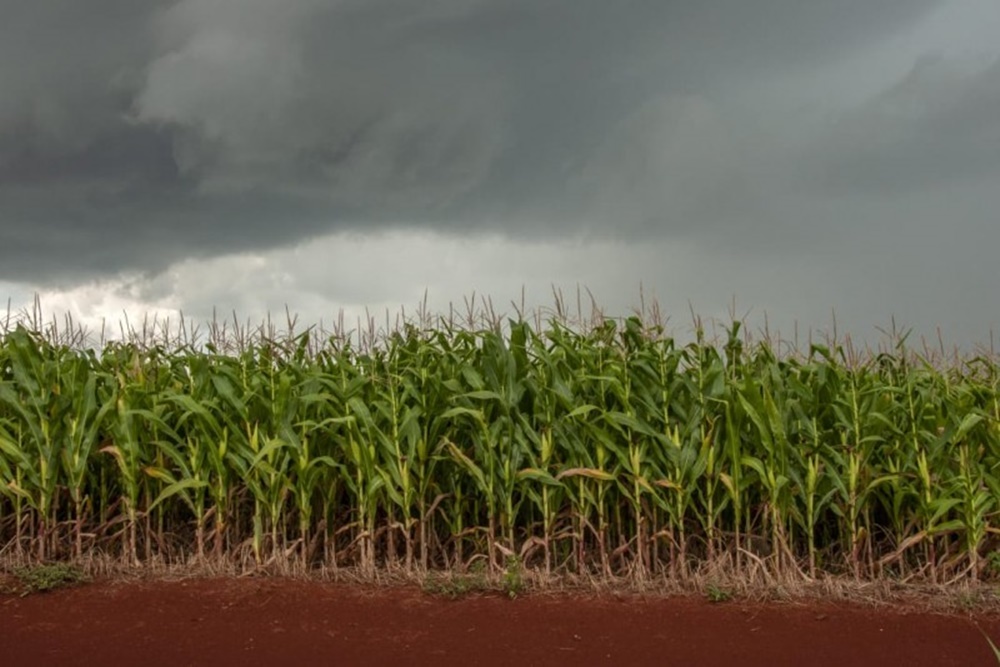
[{"x": 792, "y": 163}]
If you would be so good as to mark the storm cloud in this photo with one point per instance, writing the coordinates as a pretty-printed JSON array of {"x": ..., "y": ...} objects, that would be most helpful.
[
  {"x": 133, "y": 134},
  {"x": 724, "y": 146}
]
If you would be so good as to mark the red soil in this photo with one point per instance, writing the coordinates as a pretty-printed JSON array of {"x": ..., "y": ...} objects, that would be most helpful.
[{"x": 273, "y": 621}]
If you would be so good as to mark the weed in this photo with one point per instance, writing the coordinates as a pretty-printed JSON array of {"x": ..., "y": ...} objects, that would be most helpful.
[
  {"x": 456, "y": 585},
  {"x": 41, "y": 578},
  {"x": 449, "y": 587},
  {"x": 513, "y": 579},
  {"x": 476, "y": 581},
  {"x": 715, "y": 593}
]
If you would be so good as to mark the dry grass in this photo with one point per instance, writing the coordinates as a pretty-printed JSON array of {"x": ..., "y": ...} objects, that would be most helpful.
[{"x": 715, "y": 584}]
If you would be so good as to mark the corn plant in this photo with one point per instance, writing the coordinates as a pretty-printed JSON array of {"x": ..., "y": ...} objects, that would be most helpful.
[{"x": 607, "y": 448}]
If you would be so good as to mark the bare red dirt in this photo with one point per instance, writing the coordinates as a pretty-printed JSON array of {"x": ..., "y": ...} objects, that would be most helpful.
[{"x": 275, "y": 621}]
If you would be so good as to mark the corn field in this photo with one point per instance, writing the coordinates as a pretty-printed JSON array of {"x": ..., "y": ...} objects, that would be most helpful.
[{"x": 606, "y": 450}]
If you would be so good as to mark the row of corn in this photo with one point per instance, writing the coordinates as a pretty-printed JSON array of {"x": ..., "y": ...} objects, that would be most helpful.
[{"x": 612, "y": 450}]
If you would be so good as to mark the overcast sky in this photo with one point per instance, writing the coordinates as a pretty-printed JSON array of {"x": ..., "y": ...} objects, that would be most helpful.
[{"x": 804, "y": 158}]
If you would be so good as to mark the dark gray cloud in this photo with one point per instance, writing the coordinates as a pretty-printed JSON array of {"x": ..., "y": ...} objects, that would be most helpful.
[
  {"x": 135, "y": 133},
  {"x": 939, "y": 125}
]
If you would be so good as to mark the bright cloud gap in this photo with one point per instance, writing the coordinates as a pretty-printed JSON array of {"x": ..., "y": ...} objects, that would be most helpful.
[{"x": 346, "y": 283}]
